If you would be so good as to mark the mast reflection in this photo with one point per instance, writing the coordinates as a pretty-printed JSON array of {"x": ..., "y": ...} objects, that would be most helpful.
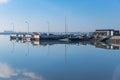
[{"x": 50, "y": 43}]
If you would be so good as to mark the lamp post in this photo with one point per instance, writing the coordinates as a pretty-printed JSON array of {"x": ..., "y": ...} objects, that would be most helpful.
[
  {"x": 28, "y": 25},
  {"x": 13, "y": 26},
  {"x": 48, "y": 27},
  {"x": 28, "y": 34}
]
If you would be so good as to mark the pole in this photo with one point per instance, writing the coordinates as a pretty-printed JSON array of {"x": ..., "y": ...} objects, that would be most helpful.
[
  {"x": 28, "y": 25},
  {"x": 65, "y": 24},
  {"x": 48, "y": 27},
  {"x": 13, "y": 26}
]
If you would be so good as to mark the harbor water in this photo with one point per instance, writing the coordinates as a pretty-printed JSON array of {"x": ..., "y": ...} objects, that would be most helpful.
[{"x": 57, "y": 61}]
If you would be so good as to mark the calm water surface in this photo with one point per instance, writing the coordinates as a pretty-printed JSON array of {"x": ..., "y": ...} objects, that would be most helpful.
[{"x": 24, "y": 61}]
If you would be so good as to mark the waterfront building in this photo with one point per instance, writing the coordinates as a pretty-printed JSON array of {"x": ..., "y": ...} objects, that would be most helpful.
[
  {"x": 35, "y": 36},
  {"x": 107, "y": 32}
]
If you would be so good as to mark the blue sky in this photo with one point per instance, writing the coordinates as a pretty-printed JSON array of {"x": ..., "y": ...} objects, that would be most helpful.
[{"x": 82, "y": 15}]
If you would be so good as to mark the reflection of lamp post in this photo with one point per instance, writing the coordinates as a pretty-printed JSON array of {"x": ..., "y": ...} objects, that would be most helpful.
[
  {"x": 13, "y": 26},
  {"x": 27, "y": 54},
  {"x": 28, "y": 26}
]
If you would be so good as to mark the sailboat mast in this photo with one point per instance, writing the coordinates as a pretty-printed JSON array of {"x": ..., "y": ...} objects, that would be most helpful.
[{"x": 65, "y": 24}]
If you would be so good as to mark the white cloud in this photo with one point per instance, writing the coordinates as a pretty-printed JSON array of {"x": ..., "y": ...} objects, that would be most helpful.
[
  {"x": 7, "y": 72},
  {"x": 3, "y": 1}
]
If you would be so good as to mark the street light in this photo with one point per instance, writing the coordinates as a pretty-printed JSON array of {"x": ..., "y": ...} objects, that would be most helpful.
[
  {"x": 48, "y": 27},
  {"x": 13, "y": 26},
  {"x": 28, "y": 25}
]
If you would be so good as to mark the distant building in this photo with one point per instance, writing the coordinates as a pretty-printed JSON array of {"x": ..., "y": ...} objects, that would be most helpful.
[{"x": 106, "y": 32}]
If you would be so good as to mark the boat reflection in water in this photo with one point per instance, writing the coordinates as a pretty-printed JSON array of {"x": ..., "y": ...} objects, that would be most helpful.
[{"x": 51, "y": 42}]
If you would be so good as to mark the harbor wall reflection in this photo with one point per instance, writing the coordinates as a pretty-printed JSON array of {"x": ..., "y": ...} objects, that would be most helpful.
[{"x": 102, "y": 45}]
